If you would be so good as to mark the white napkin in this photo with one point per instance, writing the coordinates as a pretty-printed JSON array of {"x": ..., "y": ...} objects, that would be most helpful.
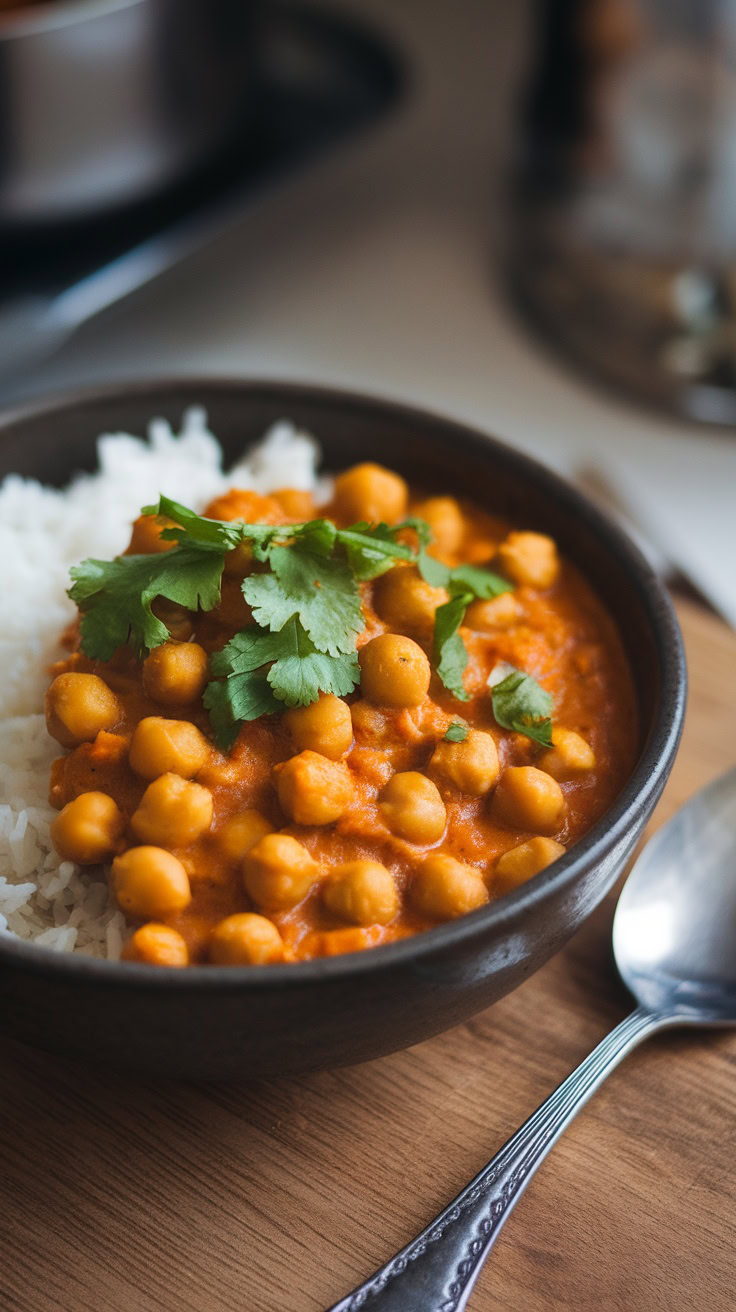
[{"x": 685, "y": 509}]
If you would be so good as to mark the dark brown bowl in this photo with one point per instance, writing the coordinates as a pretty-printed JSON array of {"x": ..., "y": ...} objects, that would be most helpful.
[{"x": 213, "y": 1022}]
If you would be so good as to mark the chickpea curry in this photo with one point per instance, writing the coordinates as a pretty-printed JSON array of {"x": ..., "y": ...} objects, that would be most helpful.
[{"x": 296, "y": 731}]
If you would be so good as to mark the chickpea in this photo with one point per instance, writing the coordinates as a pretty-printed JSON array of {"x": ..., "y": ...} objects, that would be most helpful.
[
  {"x": 479, "y": 550},
  {"x": 278, "y": 872},
  {"x": 444, "y": 888},
  {"x": 172, "y": 812},
  {"x": 239, "y": 561},
  {"x": 88, "y": 829},
  {"x": 245, "y": 940},
  {"x": 314, "y": 790},
  {"x": 157, "y": 945},
  {"x": 146, "y": 537},
  {"x": 406, "y": 602},
  {"x": 78, "y": 706},
  {"x": 370, "y": 492},
  {"x": 472, "y": 765},
  {"x": 529, "y": 558},
  {"x": 496, "y": 613},
  {"x": 177, "y": 619},
  {"x": 150, "y": 882},
  {"x": 527, "y": 798},
  {"x": 447, "y": 522},
  {"x": 160, "y": 746},
  {"x": 241, "y": 832},
  {"x": 245, "y": 505},
  {"x": 394, "y": 671},
  {"x": 325, "y": 726},
  {"x": 362, "y": 892},
  {"x": 175, "y": 673},
  {"x": 568, "y": 756},
  {"x": 371, "y": 726},
  {"x": 520, "y": 863},
  {"x": 335, "y": 942},
  {"x": 295, "y": 504},
  {"x": 412, "y": 808},
  {"x": 232, "y": 609}
]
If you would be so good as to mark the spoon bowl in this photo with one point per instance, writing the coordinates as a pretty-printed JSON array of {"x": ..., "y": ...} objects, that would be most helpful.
[{"x": 674, "y": 932}]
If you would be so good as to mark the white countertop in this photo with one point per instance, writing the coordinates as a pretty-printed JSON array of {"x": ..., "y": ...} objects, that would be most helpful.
[{"x": 375, "y": 270}]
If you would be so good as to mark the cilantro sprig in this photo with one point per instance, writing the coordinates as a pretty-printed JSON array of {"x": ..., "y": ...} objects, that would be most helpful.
[
  {"x": 465, "y": 583},
  {"x": 306, "y": 605},
  {"x": 320, "y": 590},
  {"x": 521, "y": 704},
  {"x": 456, "y": 732},
  {"x": 260, "y": 672},
  {"x": 306, "y": 608},
  {"x": 116, "y": 596},
  {"x": 450, "y": 652}
]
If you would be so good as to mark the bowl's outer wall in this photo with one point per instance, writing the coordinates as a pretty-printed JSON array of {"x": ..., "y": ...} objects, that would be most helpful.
[
  {"x": 248, "y": 1029},
  {"x": 328, "y": 1022}
]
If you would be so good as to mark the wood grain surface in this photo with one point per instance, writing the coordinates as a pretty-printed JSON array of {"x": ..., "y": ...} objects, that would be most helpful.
[{"x": 123, "y": 1196}]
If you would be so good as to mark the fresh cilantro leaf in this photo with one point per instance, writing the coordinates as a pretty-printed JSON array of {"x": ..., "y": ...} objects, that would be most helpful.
[
  {"x": 521, "y": 704},
  {"x": 450, "y": 652},
  {"x": 371, "y": 549},
  {"x": 456, "y": 733},
  {"x": 247, "y": 651},
  {"x": 433, "y": 571},
  {"x": 297, "y": 674},
  {"x": 301, "y": 672},
  {"x": 419, "y": 526},
  {"x": 231, "y": 702},
  {"x": 318, "y": 535},
  {"x": 212, "y": 534},
  {"x": 216, "y": 699},
  {"x": 115, "y": 596},
  {"x": 251, "y": 697},
  {"x": 320, "y": 590},
  {"x": 222, "y": 535},
  {"x": 463, "y": 583},
  {"x": 483, "y": 583},
  {"x": 272, "y": 604}
]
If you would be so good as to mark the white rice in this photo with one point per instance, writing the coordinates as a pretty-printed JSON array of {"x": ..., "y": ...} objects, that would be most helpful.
[{"x": 42, "y": 532}]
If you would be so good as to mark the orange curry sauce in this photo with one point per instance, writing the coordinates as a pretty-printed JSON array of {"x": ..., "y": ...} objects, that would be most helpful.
[{"x": 560, "y": 633}]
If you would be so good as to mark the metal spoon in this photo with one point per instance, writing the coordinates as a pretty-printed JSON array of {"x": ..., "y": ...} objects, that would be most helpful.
[{"x": 674, "y": 939}]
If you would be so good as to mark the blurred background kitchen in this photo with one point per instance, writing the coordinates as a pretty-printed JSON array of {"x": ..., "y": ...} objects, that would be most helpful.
[{"x": 522, "y": 215}]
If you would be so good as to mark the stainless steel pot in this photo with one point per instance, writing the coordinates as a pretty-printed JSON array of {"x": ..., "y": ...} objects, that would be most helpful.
[{"x": 104, "y": 101}]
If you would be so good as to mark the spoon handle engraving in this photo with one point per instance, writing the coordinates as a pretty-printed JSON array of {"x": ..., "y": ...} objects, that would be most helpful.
[{"x": 437, "y": 1270}]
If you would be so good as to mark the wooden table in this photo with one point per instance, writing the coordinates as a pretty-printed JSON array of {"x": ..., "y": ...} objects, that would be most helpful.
[{"x": 123, "y": 1196}]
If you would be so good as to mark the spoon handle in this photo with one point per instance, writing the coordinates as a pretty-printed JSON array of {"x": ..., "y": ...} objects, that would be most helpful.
[{"x": 437, "y": 1270}]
